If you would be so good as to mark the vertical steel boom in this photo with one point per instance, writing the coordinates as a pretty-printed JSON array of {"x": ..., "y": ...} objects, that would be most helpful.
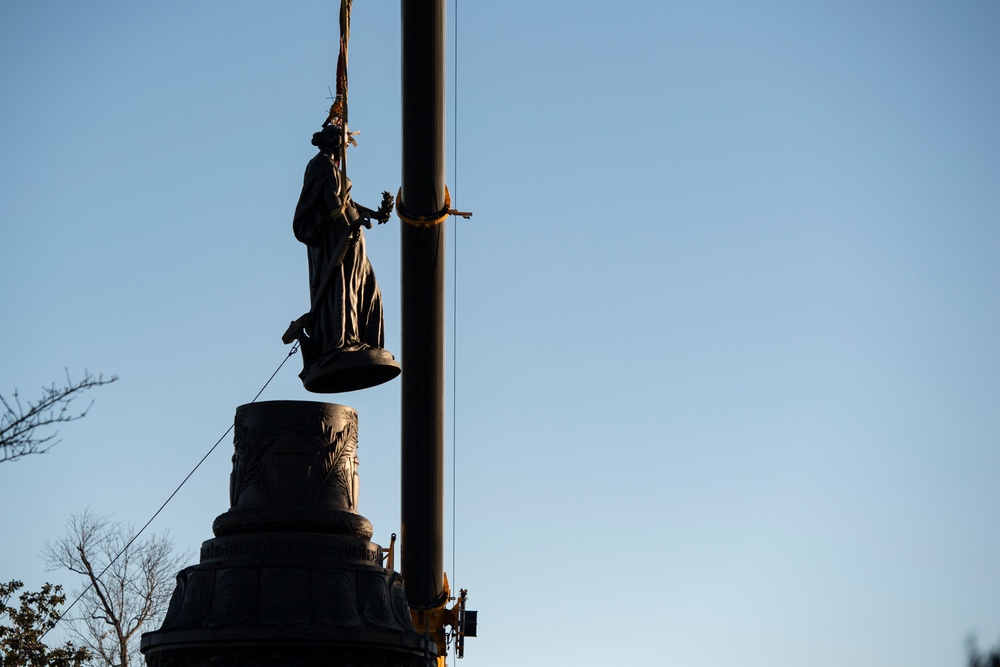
[
  {"x": 423, "y": 209},
  {"x": 423, "y": 206}
]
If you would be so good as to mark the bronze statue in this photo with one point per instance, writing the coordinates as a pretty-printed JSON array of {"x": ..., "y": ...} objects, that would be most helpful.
[{"x": 341, "y": 336}]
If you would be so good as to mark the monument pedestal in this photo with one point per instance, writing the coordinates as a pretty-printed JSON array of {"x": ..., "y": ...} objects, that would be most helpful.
[{"x": 291, "y": 578}]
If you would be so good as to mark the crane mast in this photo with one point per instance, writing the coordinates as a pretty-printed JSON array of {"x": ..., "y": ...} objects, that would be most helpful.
[
  {"x": 423, "y": 209},
  {"x": 423, "y": 206}
]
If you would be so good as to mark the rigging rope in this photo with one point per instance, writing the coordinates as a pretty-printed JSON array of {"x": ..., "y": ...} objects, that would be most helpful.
[
  {"x": 454, "y": 333},
  {"x": 295, "y": 348}
]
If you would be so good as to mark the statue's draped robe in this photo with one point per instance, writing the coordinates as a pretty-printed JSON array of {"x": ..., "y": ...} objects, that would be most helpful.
[{"x": 350, "y": 315}]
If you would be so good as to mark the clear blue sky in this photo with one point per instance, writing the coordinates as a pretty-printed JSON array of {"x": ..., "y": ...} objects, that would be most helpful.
[{"x": 728, "y": 338}]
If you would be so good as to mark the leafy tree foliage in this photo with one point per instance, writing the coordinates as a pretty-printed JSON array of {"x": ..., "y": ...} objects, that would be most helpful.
[
  {"x": 24, "y": 426},
  {"x": 128, "y": 584},
  {"x": 978, "y": 659},
  {"x": 22, "y": 629}
]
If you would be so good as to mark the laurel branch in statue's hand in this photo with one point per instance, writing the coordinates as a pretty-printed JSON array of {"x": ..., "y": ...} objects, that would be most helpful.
[{"x": 385, "y": 208}]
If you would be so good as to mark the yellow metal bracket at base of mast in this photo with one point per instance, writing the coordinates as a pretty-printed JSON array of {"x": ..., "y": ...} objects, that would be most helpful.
[{"x": 432, "y": 622}]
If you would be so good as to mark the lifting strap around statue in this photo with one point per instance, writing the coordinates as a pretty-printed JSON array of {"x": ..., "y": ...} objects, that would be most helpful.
[
  {"x": 345, "y": 36},
  {"x": 338, "y": 110}
]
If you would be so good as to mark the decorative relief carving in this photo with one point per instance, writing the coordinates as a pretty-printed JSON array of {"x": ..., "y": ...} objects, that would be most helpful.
[
  {"x": 197, "y": 597},
  {"x": 235, "y": 597},
  {"x": 319, "y": 597},
  {"x": 283, "y": 595},
  {"x": 336, "y": 601},
  {"x": 295, "y": 452},
  {"x": 307, "y": 546},
  {"x": 176, "y": 601},
  {"x": 339, "y": 466},
  {"x": 375, "y": 605},
  {"x": 292, "y": 519},
  {"x": 400, "y": 607}
]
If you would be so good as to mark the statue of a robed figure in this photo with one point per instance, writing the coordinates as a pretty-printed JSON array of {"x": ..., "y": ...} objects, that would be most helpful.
[{"x": 341, "y": 336}]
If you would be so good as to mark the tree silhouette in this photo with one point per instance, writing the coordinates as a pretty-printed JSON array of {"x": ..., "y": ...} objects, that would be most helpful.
[
  {"x": 128, "y": 584},
  {"x": 977, "y": 659},
  {"x": 22, "y": 629},
  {"x": 23, "y": 426}
]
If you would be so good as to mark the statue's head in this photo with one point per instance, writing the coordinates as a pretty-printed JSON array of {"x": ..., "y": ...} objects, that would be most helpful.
[{"x": 329, "y": 138}]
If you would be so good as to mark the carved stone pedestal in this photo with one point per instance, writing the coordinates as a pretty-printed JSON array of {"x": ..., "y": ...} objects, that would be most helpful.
[{"x": 291, "y": 578}]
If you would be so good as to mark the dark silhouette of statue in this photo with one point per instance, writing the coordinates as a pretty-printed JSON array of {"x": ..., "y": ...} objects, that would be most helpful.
[{"x": 341, "y": 336}]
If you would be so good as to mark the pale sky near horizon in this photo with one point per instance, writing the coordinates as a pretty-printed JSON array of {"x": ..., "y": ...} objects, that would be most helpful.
[{"x": 726, "y": 371}]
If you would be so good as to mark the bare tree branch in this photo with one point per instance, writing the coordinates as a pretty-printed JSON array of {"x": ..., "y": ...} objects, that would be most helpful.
[
  {"x": 23, "y": 426},
  {"x": 130, "y": 596}
]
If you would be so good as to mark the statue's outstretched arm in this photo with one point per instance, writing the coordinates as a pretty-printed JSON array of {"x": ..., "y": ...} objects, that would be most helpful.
[{"x": 382, "y": 214}]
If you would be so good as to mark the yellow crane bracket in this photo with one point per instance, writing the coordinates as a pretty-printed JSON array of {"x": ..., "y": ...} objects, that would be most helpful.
[
  {"x": 432, "y": 623},
  {"x": 429, "y": 220}
]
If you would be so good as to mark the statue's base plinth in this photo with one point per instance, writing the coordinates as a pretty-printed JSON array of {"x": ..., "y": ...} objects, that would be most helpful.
[
  {"x": 291, "y": 578},
  {"x": 349, "y": 370}
]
